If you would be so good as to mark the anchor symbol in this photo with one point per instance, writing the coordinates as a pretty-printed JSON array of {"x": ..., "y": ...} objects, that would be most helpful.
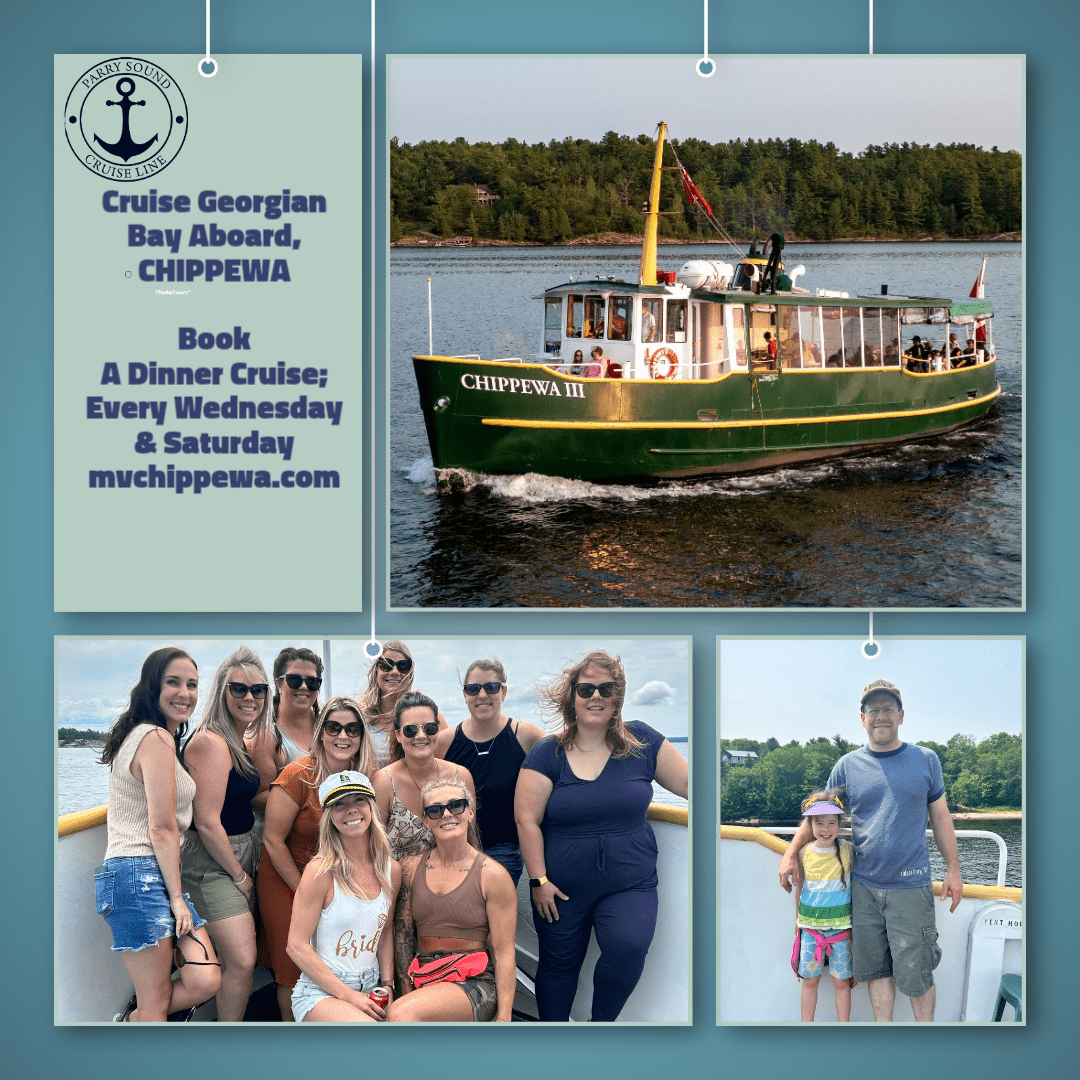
[{"x": 125, "y": 147}]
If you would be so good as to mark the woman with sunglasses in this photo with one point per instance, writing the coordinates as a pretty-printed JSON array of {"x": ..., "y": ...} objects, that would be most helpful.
[
  {"x": 291, "y": 832},
  {"x": 399, "y": 784},
  {"x": 455, "y": 919},
  {"x": 389, "y": 678},
  {"x": 581, "y": 804},
  {"x": 138, "y": 889},
  {"x": 343, "y": 917},
  {"x": 297, "y": 678},
  {"x": 492, "y": 747},
  {"x": 221, "y": 850}
]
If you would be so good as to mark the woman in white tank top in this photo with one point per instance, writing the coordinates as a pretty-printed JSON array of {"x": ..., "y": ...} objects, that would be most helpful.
[{"x": 341, "y": 934}]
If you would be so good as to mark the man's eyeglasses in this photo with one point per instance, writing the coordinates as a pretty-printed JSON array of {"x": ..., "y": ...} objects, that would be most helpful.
[{"x": 888, "y": 711}]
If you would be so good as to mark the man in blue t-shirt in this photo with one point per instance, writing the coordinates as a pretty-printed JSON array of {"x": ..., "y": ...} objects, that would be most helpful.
[{"x": 891, "y": 787}]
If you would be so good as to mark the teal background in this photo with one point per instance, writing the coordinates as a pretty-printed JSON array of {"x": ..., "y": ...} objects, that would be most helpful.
[{"x": 1047, "y": 33}]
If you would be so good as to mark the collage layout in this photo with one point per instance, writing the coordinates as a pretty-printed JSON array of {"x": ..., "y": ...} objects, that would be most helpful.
[{"x": 675, "y": 404}]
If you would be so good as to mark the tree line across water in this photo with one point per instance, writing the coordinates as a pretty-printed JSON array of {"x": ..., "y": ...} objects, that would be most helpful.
[
  {"x": 977, "y": 775},
  {"x": 577, "y": 188}
]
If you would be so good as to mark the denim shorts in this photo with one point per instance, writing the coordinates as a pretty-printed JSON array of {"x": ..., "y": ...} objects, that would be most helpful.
[
  {"x": 894, "y": 934},
  {"x": 130, "y": 895},
  {"x": 307, "y": 994}
]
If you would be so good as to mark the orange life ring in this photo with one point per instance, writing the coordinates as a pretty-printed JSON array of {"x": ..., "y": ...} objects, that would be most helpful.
[{"x": 663, "y": 356}]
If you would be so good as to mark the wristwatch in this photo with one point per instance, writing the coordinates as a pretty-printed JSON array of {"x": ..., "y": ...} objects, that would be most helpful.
[{"x": 536, "y": 882}]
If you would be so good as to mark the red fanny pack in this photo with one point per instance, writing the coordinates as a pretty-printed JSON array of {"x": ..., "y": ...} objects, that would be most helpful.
[
  {"x": 456, "y": 967},
  {"x": 824, "y": 945}
]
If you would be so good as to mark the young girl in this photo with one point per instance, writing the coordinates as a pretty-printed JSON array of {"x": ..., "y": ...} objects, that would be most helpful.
[{"x": 824, "y": 906}]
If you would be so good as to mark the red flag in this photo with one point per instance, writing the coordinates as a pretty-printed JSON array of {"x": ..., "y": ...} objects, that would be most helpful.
[
  {"x": 978, "y": 290},
  {"x": 693, "y": 194}
]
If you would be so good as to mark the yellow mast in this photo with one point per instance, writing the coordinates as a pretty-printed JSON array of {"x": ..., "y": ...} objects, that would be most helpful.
[{"x": 647, "y": 269}]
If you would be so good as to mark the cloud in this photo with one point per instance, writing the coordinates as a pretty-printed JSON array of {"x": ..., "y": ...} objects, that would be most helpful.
[{"x": 653, "y": 693}]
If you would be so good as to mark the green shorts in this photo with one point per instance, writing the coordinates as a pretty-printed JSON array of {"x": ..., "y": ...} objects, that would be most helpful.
[
  {"x": 212, "y": 890},
  {"x": 894, "y": 934}
]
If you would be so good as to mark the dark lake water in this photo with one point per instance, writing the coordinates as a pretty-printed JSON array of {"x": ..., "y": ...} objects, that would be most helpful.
[{"x": 934, "y": 524}]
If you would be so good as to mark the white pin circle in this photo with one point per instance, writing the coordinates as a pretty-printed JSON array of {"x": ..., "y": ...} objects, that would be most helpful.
[
  {"x": 868, "y": 645},
  {"x": 711, "y": 66},
  {"x": 208, "y": 60},
  {"x": 372, "y": 650}
]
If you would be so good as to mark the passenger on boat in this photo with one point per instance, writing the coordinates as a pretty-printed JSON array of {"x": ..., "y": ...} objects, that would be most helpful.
[
  {"x": 291, "y": 833},
  {"x": 770, "y": 346},
  {"x": 138, "y": 889},
  {"x": 389, "y": 677},
  {"x": 297, "y": 678},
  {"x": 598, "y": 368},
  {"x": 581, "y": 805},
  {"x": 341, "y": 933},
  {"x": 891, "y": 786},
  {"x": 220, "y": 853},
  {"x": 454, "y": 926},
  {"x": 491, "y": 747},
  {"x": 648, "y": 321},
  {"x": 577, "y": 367},
  {"x": 823, "y": 906},
  {"x": 966, "y": 358},
  {"x": 398, "y": 786}
]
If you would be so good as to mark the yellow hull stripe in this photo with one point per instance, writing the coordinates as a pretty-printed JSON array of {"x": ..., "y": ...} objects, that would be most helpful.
[
  {"x": 666, "y": 425},
  {"x": 81, "y": 820},
  {"x": 775, "y": 843}
]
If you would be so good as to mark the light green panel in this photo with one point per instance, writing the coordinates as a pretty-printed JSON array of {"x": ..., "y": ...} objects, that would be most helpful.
[{"x": 261, "y": 125}]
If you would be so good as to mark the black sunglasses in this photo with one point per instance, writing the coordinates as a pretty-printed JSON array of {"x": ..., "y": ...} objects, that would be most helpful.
[
  {"x": 384, "y": 663},
  {"x": 294, "y": 682},
  {"x": 241, "y": 689},
  {"x": 587, "y": 689},
  {"x": 352, "y": 728},
  {"x": 474, "y": 688},
  {"x": 410, "y": 731},
  {"x": 437, "y": 809}
]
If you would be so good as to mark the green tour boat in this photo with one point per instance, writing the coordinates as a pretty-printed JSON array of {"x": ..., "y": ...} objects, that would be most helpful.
[{"x": 716, "y": 368}]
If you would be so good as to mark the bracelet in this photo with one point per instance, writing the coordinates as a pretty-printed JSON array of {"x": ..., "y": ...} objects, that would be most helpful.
[{"x": 243, "y": 878}]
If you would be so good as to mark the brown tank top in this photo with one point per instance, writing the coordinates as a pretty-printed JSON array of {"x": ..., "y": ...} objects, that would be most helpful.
[{"x": 461, "y": 913}]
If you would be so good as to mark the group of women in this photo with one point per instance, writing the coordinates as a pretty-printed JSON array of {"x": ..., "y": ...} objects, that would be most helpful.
[{"x": 391, "y": 846}]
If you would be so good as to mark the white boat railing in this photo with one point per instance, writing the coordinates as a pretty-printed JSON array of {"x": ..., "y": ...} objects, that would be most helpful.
[{"x": 961, "y": 834}]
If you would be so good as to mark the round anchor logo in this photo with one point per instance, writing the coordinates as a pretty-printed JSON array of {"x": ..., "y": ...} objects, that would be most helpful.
[{"x": 125, "y": 119}]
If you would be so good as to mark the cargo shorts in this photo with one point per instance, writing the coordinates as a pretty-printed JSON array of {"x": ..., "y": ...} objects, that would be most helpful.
[{"x": 894, "y": 934}]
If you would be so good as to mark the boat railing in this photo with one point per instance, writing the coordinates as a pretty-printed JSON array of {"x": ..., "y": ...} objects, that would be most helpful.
[{"x": 961, "y": 834}]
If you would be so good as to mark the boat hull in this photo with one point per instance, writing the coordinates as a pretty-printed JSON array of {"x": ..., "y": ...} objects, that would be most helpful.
[{"x": 507, "y": 417}]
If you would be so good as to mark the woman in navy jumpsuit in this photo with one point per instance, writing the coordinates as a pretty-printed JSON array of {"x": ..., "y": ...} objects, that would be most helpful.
[{"x": 581, "y": 804}]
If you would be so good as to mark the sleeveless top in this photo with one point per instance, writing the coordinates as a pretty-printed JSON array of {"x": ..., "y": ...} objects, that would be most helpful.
[
  {"x": 349, "y": 930},
  {"x": 460, "y": 913},
  {"x": 128, "y": 818},
  {"x": 825, "y": 901},
  {"x": 494, "y": 766},
  {"x": 292, "y": 750},
  {"x": 380, "y": 743},
  {"x": 407, "y": 833},
  {"x": 237, "y": 813}
]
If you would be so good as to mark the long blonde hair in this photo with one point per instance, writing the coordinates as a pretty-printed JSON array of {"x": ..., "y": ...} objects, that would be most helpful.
[
  {"x": 370, "y": 698},
  {"x": 557, "y": 701},
  {"x": 334, "y": 859},
  {"x": 219, "y": 720},
  {"x": 364, "y": 758}
]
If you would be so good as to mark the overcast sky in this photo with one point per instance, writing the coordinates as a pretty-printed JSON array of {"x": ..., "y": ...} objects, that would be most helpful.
[
  {"x": 805, "y": 688},
  {"x": 851, "y": 101},
  {"x": 95, "y": 675}
]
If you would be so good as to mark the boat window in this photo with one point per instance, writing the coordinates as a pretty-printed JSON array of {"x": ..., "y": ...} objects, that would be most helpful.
[
  {"x": 619, "y": 318},
  {"x": 573, "y": 315},
  {"x": 594, "y": 316},
  {"x": 787, "y": 336},
  {"x": 553, "y": 325},
  {"x": 810, "y": 336},
  {"x": 652, "y": 320},
  {"x": 890, "y": 336},
  {"x": 853, "y": 346},
  {"x": 832, "y": 346},
  {"x": 738, "y": 334},
  {"x": 676, "y": 320},
  {"x": 762, "y": 322}
]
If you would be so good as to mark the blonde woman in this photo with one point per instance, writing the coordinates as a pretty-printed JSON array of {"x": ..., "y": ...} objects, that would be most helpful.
[
  {"x": 341, "y": 936},
  {"x": 220, "y": 854},
  {"x": 291, "y": 832}
]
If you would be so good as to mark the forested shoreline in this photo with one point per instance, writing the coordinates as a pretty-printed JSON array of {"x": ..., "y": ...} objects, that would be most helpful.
[
  {"x": 976, "y": 775},
  {"x": 577, "y": 190}
]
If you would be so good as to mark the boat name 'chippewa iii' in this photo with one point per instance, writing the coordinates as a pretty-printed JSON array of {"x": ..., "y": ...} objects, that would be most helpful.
[{"x": 501, "y": 385}]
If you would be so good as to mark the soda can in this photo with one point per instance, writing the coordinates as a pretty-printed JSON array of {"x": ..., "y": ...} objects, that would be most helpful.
[{"x": 381, "y": 996}]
